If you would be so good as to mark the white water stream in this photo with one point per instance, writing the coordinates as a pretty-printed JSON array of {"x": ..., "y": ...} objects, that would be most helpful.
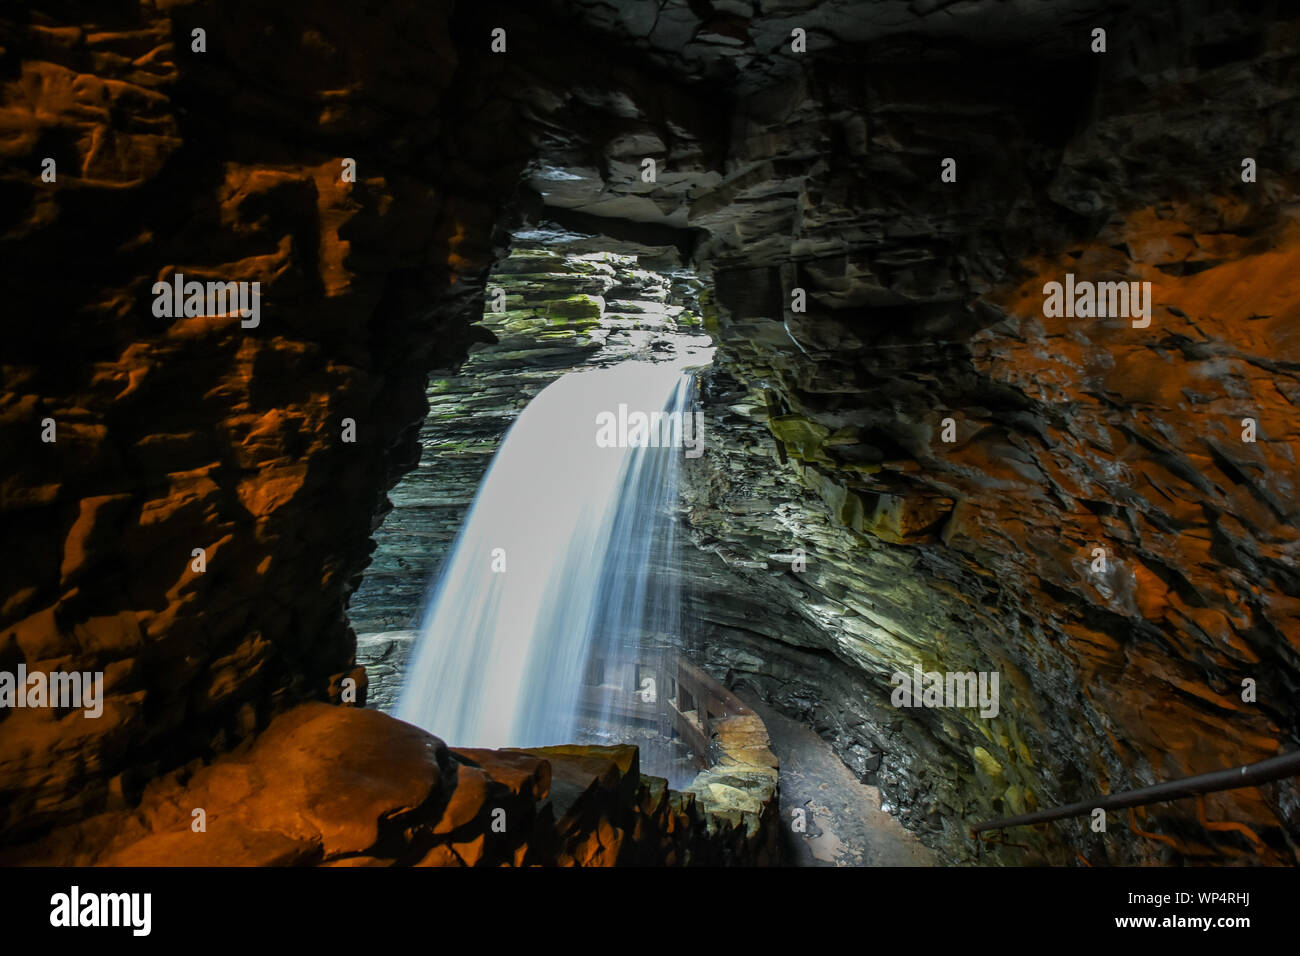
[{"x": 552, "y": 568}]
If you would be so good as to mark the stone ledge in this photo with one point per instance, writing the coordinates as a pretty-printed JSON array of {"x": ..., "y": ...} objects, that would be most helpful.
[{"x": 336, "y": 786}]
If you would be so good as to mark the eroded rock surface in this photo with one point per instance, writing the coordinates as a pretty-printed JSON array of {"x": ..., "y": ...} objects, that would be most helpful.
[{"x": 341, "y": 786}]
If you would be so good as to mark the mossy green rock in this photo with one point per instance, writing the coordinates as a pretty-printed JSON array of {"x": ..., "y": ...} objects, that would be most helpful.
[
  {"x": 802, "y": 437},
  {"x": 575, "y": 310}
]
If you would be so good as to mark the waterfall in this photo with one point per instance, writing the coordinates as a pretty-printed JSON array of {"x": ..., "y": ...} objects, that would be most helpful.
[{"x": 551, "y": 570}]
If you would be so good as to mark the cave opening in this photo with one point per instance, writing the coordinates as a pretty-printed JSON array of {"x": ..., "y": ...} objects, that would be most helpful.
[{"x": 526, "y": 586}]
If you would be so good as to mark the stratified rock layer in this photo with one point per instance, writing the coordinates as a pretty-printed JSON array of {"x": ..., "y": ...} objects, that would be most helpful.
[{"x": 1178, "y": 655}]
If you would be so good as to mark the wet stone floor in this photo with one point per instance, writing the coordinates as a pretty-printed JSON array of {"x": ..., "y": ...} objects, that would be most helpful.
[{"x": 844, "y": 825}]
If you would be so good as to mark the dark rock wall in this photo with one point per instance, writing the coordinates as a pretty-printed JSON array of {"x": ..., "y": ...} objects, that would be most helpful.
[
  {"x": 926, "y": 302},
  {"x": 775, "y": 171},
  {"x": 198, "y": 433}
]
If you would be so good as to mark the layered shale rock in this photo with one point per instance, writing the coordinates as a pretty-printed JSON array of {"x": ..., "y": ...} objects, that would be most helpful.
[{"x": 978, "y": 554}]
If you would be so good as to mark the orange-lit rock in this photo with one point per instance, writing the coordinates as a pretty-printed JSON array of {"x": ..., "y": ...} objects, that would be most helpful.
[{"x": 340, "y": 786}]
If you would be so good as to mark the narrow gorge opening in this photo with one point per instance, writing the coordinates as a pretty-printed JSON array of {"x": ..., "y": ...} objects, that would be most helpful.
[{"x": 526, "y": 587}]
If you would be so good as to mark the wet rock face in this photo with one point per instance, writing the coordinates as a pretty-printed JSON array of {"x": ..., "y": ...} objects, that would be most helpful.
[
  {"x": 975, "y": 551},
  {"x": 775, "y": 172}
]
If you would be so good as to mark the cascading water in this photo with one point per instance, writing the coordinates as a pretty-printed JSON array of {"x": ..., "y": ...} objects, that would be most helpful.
[{"x": 552, "y": 568}]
